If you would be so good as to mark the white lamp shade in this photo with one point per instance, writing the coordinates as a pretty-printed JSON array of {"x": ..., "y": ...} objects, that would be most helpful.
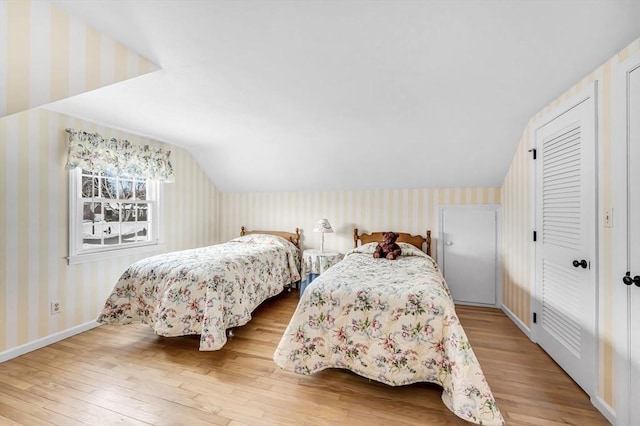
[{"x": 324, "y": 226}]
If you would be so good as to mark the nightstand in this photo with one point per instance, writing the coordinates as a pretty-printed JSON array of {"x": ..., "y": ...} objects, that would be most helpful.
[{"x": 315, "y": 262}]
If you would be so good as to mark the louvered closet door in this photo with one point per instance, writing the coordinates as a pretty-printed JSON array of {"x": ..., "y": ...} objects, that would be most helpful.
[{"x": 565, "y": 222}]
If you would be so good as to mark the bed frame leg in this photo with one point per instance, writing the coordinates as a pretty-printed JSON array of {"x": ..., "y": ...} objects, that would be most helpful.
[{"x": 230, "y": 332}]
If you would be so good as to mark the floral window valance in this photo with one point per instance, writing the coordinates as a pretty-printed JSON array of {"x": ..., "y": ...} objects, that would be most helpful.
[{"x": 118, "y": 156}]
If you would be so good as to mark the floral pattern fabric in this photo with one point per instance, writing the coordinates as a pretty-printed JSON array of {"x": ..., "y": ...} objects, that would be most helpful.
[
  {"x": 316, "y": 261},
  {"x": 392, "y": 321},
  {"x": 118, "y": 156},
  {"x": 205, "y": 290}
]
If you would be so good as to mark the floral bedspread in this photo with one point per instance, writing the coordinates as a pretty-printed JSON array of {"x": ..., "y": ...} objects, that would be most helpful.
[
  {"x": 389, "y": 321},
  {"x": 205, "y": 290}
]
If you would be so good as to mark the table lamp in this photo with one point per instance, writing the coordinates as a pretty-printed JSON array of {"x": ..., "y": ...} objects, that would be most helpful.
[{"x": 323, "y": 226}]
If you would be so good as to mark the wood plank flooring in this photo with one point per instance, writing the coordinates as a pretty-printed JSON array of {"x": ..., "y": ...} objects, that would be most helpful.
[{"x": 126, "y": 375}]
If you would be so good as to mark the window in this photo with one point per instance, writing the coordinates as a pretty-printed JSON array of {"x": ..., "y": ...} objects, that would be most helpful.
[
  {"x": 115, "y": 194},
  {"x": 111, "y": 215}
]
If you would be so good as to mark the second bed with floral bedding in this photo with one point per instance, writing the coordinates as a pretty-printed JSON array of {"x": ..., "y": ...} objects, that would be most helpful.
[
  {"x": 205, "y": 290},
  {"x": 392, "y": 321}
]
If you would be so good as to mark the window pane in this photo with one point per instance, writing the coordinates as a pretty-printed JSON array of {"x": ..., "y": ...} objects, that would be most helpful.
[
  {"x": 112, "y": 212},
  {"x": 111, "y": 233},
  {"x": 88, "y": 211},
  {"x": 97, "y": 210},
  {"x": 89, "y": 189},
  {"x": 92, "y": 234},
  {"x": 126, "y": 189},
  {"x": 109, "y": 188},
  {"x": 143, "y": 212},
  {"x": 141, "y": 190},
  {"x": 143, "y": 234},
  {"x": 92, "y": 224},
  {"x": 128, "y": 213},
  {"x": 128, "y": 237}
]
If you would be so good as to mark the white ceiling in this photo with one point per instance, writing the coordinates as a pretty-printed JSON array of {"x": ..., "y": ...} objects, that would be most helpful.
[{"x": 287, "y": 95}]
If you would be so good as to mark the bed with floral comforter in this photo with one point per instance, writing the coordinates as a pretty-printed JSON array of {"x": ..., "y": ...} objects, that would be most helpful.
[
  {"x": 205, "y": 290},
  {"x": 389, "y": 321}
]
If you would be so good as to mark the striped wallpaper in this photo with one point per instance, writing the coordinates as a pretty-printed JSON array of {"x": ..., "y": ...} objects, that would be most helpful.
[
  {"x": 516, "y": 236},
  {"x": 34, "y": 227},
  {"x": 518, "y": 222},
  {"x": 405, "y": 210},
  {"x": 47, "y": 55}
]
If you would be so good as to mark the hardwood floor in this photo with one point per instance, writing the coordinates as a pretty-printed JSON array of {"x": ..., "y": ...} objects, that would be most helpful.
[{"x": 127, "y": 375}]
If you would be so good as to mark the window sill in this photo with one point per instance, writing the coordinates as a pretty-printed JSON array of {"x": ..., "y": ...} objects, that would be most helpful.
[{"x": 111, "y": 254}]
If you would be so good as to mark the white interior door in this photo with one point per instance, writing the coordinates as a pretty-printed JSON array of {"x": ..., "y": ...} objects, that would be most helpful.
[
  {"x": 469, "y": 253},
  {"x": 633, "y": 242},
  {"x": 565, "y": 247}
]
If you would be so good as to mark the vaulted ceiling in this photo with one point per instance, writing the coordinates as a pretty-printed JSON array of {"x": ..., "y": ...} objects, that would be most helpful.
[{"x": 285, "y": 95}]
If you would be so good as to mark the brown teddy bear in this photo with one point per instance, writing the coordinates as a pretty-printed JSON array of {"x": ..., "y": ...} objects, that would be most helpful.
[{"x": 388, "y": 247}]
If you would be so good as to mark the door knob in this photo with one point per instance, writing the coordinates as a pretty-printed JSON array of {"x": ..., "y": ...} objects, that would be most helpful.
[
  {"x": 582, "y": 263},
  {"x": 628, "y": 280}
]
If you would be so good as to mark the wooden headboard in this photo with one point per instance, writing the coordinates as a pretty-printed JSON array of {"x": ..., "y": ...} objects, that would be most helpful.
[
  {"x": 376, "y": 237},
  {"x": 294, "y": 237}
]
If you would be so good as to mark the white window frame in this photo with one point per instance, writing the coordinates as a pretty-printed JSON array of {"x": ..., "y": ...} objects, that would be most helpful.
[{"x": 78, "y": 254}]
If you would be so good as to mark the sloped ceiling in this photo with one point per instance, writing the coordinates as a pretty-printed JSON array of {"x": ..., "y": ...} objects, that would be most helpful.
[{"x": 368, "y": 94}]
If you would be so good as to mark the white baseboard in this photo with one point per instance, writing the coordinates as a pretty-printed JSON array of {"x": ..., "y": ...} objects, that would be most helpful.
[
  {"x": 605, "y": 409},
  {"x": 516, "y": 321},
  {"x": 481, "y": 305},
  {"x": 45, "y": 341}
]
